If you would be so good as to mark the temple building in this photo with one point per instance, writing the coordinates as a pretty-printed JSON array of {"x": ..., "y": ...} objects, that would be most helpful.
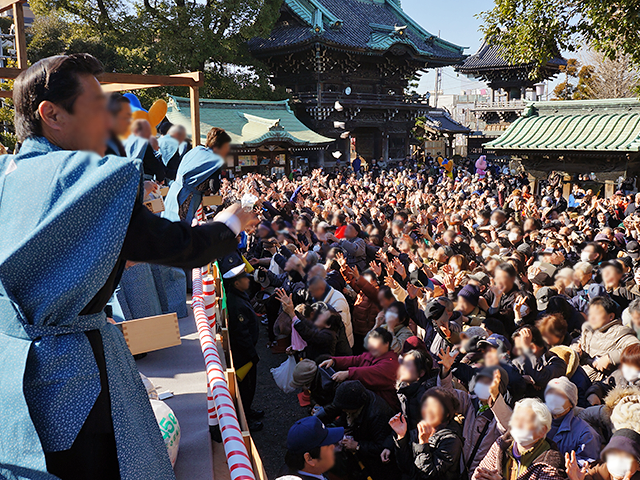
[
  {"x": 510, "y": 85},
  {"x": 347, "y": 65},
  {"x": 266, "y": 137},
  {"x": 599, "y": 138}
]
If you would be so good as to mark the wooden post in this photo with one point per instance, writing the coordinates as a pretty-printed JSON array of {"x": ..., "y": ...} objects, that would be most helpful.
[
  {"x": 21, "y": 42},
  {"x": 230, "y": 375},
  {"x": 194, "y": 96}
]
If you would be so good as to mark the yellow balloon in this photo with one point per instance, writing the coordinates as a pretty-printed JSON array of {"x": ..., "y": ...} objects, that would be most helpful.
[
  {"x": 157, "y": 112},
  {"x": 448, "y": 166},
  {"x": 140, "y": 114}
]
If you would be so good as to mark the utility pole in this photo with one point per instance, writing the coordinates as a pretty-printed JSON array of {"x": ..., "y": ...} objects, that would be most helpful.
[{"x": 438, "y": 83}]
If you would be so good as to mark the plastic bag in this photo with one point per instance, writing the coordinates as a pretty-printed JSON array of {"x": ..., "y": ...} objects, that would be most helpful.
[
  {"x": 151, "y": 388},
  {"x": 283, "y": 375},
  {"x": 169, "y": 427},
  {"x": 297, "y": 343}
]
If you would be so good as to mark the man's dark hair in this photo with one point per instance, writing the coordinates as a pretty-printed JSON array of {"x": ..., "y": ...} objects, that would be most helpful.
[
  {"x": 605, "y": 302},
  {"x": 56, "y": 79},
  {"x": 217, "y": 137},
  {"x": 508, "y": 269},
  {"x": 386, "y": 292},
  {"x": 383, "y": 334},
  {"x": 295, "y": 461},
  {"x": 115, "y": 102},
  {"x": 536, "y": 336}
]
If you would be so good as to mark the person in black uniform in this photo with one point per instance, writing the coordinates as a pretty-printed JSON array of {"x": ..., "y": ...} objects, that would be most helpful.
[{"x": 243, "y": 333}]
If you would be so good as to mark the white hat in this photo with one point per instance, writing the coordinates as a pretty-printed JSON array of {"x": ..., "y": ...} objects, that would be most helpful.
[{"x": 234, "y": 272}]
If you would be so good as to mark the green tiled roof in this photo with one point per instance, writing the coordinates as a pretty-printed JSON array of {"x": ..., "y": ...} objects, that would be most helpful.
[
  {"x": 249, "y": 123},
  {"x": 590, "y": 125}
]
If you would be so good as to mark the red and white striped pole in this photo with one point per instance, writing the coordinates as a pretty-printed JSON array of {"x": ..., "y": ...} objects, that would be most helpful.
[{"x": 234, "y": 446}]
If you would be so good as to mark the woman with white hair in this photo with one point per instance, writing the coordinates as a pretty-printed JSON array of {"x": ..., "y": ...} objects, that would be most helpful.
[{"x": 524, "y": 453}]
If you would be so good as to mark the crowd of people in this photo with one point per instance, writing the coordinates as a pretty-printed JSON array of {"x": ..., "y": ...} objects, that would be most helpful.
[
  {"x": 444, "y": 323},
  {"x": 448, "y": 325}
]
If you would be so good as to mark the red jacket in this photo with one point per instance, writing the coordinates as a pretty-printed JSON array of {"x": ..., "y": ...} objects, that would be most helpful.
[{"x": 376, "y": 374}]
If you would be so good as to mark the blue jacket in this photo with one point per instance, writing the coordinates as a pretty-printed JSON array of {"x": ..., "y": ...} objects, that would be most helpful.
[
  {"x": 64, "y": 216},
  {"x": 576, "y": 434}
]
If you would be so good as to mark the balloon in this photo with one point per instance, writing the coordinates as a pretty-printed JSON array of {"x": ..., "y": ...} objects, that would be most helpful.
[
  {"x": 154, "y": 116},
  {"x": 447, "y": 164},
  {"x": 481, "y": 166},
  {"x": 157, "y": 112},
  {"x": 133, "y": 100}
]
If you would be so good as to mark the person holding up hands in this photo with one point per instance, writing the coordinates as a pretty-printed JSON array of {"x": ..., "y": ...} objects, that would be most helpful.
[{"x": 434, "y": 449}]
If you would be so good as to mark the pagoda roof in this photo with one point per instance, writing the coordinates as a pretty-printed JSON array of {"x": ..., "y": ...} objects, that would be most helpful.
[
  {"x": 589, "y": 126},
  {"x": 249, "y": 123},
  {"x": 439, "y": 121},
  {"x": 488, "y": 58},
  {"x": 368, "y": 26}
]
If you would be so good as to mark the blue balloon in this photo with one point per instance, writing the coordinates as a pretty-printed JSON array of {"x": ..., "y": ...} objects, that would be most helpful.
[{"x": 133, "y": 100}]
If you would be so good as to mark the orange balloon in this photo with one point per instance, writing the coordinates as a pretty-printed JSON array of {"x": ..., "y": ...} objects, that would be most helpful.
[{"x": 157, "y": 112}]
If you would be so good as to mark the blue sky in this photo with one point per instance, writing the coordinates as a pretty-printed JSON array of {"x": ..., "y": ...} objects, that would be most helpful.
[{"x": 456, "y": 21}]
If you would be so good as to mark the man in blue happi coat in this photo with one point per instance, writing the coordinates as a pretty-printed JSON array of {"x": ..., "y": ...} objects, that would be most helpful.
[{"x": 73, "y": 404}]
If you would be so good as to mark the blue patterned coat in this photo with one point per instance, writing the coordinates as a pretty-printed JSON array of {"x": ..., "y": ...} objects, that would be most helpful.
[{"x": 64, "y": 215}]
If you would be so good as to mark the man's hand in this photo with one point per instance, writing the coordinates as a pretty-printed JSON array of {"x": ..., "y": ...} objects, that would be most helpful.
[
  {"x": 150, "y": 187},
  {"x": 385, "y": 456},
  {"x": 399, "y": 425},
  {"x": 602, "y": 363},
  {"x": 349, "y": 444},
  {"x": 340, "y": 377},
  {"x": 248, "y": 220},
  {"x": 339, "y": 257},
  {"x": 327, "y": 363}
]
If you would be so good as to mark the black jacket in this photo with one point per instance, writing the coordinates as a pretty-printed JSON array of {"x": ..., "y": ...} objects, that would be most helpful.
[
  {"x": 319, "y": 341},
  {"x": 602, "y": 388},
  {"x": 243, "y": 327},
  {"x": 439, "y": 459},
  {"x": 370, "y": 430},
  {"x": 410, "y": 397}
]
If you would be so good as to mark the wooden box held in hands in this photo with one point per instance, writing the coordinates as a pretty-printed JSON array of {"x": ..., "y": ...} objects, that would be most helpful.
[
  {"x": 156, "y": 205},
  {"x": 211, "y": 200},
  {"x": 151, "y": 333}
]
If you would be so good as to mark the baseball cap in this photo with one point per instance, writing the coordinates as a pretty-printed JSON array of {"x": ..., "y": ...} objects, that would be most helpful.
[
  {"x": 434, "y": 310},
  {"x": 633, "y": 249},
  {"x": 309, "y": 433},
  {"x": 481, "y": 278},
  {"x": 543, "y": 296}
]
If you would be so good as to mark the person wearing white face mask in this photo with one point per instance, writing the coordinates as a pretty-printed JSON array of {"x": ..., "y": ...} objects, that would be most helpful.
[
  {"x": 569, "y": 432},
  {"x": 524, "y": 452},
  {"x": 621, "y": 459},
  {"x": 486, "y": 414},
  {"x": 627, "y": 375}
]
